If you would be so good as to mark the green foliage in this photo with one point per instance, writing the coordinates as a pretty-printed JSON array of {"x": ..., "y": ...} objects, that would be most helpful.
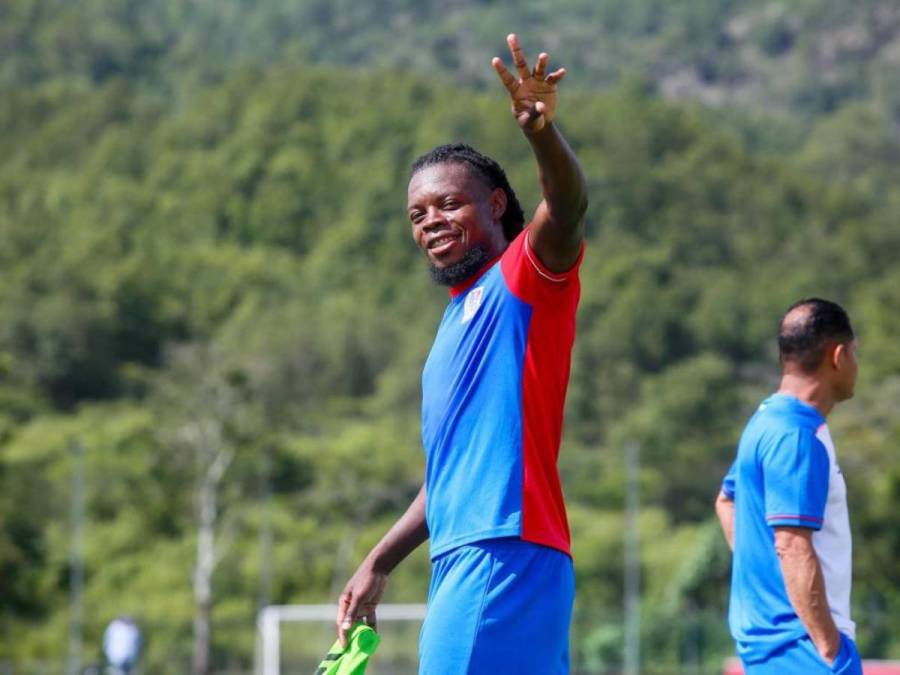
[
  {"x": 807, "y": 56},
  {"x": 190, "y": 236}
]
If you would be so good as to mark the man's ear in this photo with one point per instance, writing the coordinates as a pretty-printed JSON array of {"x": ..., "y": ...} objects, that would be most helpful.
[
  {"x": 838, "y": 354},
  {"x": 498, "y": 203}
]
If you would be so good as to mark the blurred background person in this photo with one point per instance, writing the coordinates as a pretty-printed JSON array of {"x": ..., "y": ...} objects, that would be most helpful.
[{"x": 122, "y": 641}]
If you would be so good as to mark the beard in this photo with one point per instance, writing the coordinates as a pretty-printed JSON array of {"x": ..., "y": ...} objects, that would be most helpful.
[{"x": 474, "y": 259}]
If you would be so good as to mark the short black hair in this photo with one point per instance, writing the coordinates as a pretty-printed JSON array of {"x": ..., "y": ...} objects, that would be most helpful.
[
  {"x": 487, "y": 169},
  {"x": 804, "y": 335}
]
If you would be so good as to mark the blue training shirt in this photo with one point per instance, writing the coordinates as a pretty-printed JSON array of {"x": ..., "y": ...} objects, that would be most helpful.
[
  {"x": 779, "y": 478},
  {"x": 493, "y": 393}
]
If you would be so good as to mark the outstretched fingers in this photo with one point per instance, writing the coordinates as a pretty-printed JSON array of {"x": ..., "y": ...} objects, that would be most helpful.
[
  {"x": 556, "y": 76},
  {"x": 518, "y": 56},
  {"x": 541, "y": 66},
  {"x": 505, "y": 76}
]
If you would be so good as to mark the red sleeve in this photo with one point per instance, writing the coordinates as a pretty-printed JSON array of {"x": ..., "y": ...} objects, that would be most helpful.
[{"x": 529, "y": 279}]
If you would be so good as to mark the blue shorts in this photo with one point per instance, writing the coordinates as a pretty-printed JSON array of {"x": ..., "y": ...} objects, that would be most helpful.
[
  {"x": 801, "y": 656},
  {"x": 498, "y": 606}
]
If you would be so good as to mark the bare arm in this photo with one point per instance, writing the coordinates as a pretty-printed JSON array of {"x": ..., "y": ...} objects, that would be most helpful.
[
  {"x": 806, "y": 588},
  {"x": 363, "y": 592},
  {"x": 558, "y": 224},
  {"x": 725, "y": 512}
]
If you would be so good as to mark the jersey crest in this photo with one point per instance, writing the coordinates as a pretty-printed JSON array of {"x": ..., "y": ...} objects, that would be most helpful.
[{"x": 473, "y": 302}]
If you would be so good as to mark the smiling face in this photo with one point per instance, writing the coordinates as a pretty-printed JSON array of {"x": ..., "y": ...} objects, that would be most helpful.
[{"x": 454, "y": 215}]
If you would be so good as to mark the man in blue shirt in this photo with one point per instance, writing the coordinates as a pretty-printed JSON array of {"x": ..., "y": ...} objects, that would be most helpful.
[
  {"x": 493, "y": 395},
  {"x": 783, "y": 508}
]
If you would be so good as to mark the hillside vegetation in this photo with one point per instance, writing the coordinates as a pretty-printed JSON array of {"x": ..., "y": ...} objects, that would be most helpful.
[{"x": 203, "y": 249}]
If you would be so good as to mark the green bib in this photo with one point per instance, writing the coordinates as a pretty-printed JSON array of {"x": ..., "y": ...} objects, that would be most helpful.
[{"x": 362, "y": 641}]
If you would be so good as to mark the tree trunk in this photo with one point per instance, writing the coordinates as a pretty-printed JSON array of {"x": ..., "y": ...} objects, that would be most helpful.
[{"x": 206, "y": 560}]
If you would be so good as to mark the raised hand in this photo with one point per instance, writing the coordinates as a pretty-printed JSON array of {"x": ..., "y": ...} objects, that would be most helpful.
[{"x": 533, "y": 93}]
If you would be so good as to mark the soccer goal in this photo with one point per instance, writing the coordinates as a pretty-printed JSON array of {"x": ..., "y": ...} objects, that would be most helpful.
[{"x": 291, "y": 639}]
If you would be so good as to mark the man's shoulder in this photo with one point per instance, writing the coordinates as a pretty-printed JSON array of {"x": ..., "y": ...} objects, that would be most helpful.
[
  {"x": 777, "y": 427},
  {"x": 528, "y": 278},
  {"x": 781, "y": 414}
]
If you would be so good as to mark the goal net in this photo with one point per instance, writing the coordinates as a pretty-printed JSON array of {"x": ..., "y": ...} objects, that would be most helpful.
[{"x": 292, "y": 639}]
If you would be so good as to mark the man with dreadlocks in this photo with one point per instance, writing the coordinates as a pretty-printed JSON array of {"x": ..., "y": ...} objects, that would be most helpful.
[{"x": 493, "y": 390}]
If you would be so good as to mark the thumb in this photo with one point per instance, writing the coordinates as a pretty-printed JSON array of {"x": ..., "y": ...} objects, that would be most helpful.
[{"x": 533, "y": 118}]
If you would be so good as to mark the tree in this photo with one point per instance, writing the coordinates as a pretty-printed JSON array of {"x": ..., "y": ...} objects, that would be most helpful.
[{"x": 207, "y": 419}]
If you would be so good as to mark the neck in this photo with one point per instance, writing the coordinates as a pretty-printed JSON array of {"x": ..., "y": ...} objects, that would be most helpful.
[{"x": 809, "y": 390}]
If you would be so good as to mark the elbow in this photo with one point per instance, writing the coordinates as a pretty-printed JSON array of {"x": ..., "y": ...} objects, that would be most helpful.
[
  {"x": 793, "y": 543},
  {"x": 581, "y": 207},
  {"x": 570, "y": 211},
  {"x": 783, "y": 548},
  {"x": 723, "y": 503},
  {"x": 575, "y": 216}
]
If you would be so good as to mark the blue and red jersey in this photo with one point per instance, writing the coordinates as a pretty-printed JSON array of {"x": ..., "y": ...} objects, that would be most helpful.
[{"x": 493, "y": 393}]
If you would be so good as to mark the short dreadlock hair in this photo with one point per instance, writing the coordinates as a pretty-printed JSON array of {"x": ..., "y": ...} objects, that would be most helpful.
[{"x": 513, "y": 219}]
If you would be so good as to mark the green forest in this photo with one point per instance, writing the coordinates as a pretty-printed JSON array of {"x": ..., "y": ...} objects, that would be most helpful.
[{"x": 209, "y": 291}]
